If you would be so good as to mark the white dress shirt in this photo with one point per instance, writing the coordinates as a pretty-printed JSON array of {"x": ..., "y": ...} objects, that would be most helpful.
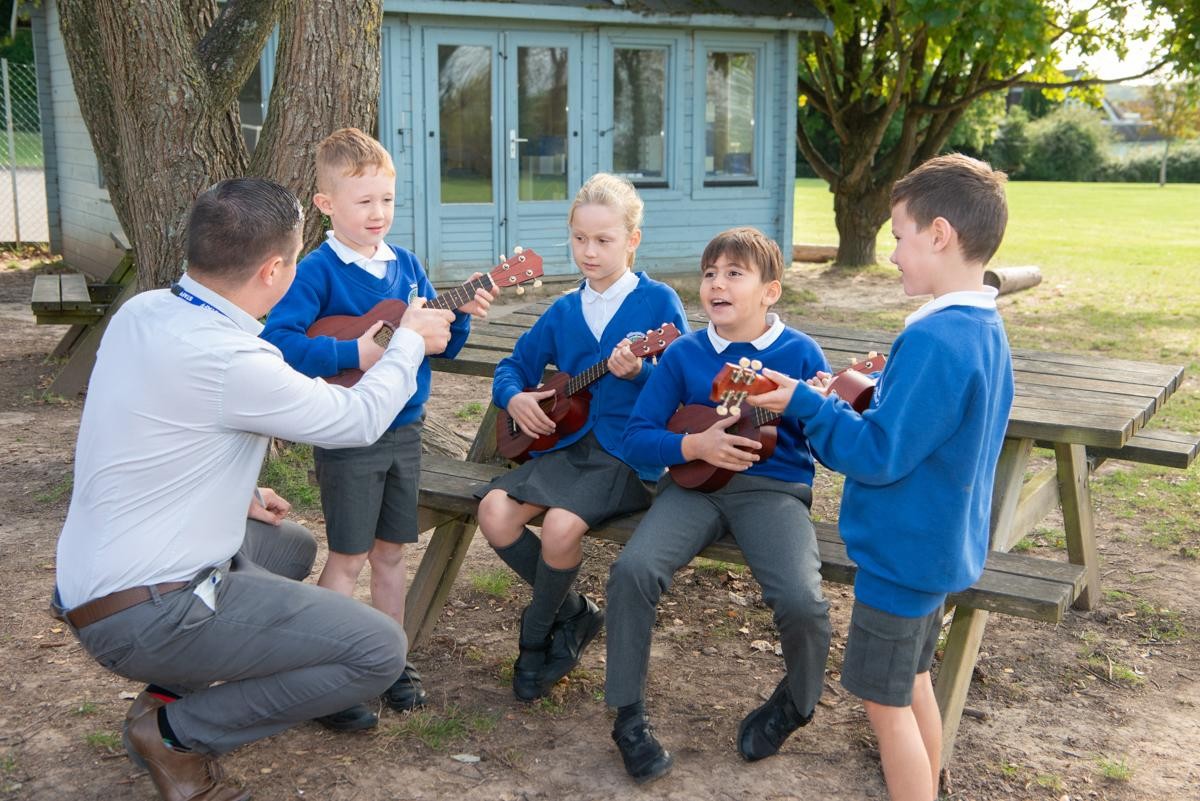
[
  {"x": 600, "y": 307},
  {"x": 180, "y": 406},
  {"x": 768, "y": 337},
  {"x": 981, "y": 298},
  {"x": 376, "y": 265}
]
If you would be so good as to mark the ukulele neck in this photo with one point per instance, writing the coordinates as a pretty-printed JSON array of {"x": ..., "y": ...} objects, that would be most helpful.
[
  {"x": 450, "y": 299},
  {"x": 586, "y": 378}
]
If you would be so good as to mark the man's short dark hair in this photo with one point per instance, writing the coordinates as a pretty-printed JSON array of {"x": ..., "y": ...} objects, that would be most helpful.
[
  {"x": 239, "y": 223},
  {"x": 964, "y": 191}
]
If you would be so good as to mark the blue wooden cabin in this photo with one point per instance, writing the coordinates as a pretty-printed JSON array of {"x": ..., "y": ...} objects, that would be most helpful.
[{"x": 496, "y": 112}]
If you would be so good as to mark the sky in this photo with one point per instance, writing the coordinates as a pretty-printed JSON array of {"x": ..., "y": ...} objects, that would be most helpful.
[{"x": 1108, "y": 65}]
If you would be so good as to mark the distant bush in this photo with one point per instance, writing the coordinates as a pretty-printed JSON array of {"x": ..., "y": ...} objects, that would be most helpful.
[
  {"x": 1066, "y": 145},
  {"x": 1141, "y": 166},
  {"x": 1010, "y": 149}
]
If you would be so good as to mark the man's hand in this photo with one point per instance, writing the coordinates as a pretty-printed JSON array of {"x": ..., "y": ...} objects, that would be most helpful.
[
  {"x": 433, "y": 325},
  {"x": 369, "y": 350},
  {"x": 267, "y": 506},
  {"x": 720, "y": 448},
  {"x": 525, "y": 410},
  {"x": 622, "y": 363},
  {"x": 483, "y": 300},
  {"x": 777, "y": 399}
]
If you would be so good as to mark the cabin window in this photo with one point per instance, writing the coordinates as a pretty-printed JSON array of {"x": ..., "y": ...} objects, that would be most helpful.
[
  {"x": 639, "y": 132},
  {"x": 730, "y": 117}
]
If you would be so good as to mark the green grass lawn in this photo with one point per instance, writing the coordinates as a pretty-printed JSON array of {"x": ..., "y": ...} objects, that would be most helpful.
[{"x": 1120, "y": 266}]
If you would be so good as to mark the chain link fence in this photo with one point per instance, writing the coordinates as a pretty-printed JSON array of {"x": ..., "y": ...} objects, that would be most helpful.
[{"x": 22, "y": 162}]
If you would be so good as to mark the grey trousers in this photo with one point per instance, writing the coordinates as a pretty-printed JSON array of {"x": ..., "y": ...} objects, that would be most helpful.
[
  {"x": 769, "y": 519},
  {"x": 284, "y": 651}
]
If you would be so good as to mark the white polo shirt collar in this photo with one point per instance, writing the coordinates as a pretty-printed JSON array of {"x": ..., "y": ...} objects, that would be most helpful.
[
  {"x": 774, "y": 329},
  {"x": 979, "y": 298}
]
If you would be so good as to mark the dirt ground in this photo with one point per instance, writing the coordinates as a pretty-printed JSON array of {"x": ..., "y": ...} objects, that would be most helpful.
[{"x": 1105, "y": 705}]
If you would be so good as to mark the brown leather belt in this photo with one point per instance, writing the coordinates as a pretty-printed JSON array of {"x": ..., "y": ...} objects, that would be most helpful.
[{"x": 100, "y": 608}]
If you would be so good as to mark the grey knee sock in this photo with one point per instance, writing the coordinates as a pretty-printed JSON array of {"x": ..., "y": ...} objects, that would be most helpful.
[
  {"x": 523, "y": 555},
  {"x": 549, "y": 591}
]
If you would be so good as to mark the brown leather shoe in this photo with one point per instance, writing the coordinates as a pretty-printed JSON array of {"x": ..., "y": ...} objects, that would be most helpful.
[
  {"x": 178, "y": 775},
  {"x": 143, "y": 703}
]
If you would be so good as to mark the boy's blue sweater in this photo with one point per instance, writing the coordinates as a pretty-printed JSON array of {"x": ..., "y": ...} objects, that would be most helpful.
[
  {"x": 685, "y": 375},
  {"x": 919, "y": 462},
  {"x": 561, "y": 337},
  {"x": 327, "y": 286}
]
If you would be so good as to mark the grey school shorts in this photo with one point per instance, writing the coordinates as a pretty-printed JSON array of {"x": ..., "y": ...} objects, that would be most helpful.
[
  {"x": 886, "y": 652},
  {"x": 370, "y": 493}
]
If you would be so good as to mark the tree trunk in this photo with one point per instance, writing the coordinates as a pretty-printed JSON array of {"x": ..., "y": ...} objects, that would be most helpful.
[
  {"x": 163, "y": 120},
  {"x": 859, "y": 212},
  {"x": 327, "y": 77}
]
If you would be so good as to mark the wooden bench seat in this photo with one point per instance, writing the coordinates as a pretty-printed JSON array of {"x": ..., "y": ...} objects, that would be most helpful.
[
  {"x": 69, "y": 299},
  {"x": 1153, "y": 446},
  {"x": 1014, "y": 584}
]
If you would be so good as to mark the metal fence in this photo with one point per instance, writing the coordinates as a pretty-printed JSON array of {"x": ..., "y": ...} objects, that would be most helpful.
[{"x": 22, "y": 162}]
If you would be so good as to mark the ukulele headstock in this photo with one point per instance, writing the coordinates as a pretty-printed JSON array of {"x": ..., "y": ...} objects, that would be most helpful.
[
  {"x": 524, "y": 265},
  {"x": 872, "y": 364},
  {"x": 654, "y": 341},
  {"x": 736, "y": 382}
]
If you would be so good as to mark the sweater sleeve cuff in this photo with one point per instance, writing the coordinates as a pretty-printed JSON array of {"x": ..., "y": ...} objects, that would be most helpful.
[
  {"x": 805, "y": 403},
  {"x": 347, "y": 354},
  {"x": 672, "y": 449}
]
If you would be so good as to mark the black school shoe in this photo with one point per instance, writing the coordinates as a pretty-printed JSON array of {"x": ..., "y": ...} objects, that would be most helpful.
[
  {"x": 357, "y": 718},
  {"x": 569, "y": 638},
  {"x": 763, "y": 731},
  {"x": 644, "y": 757},
  {"x": 406, "y": 692}
]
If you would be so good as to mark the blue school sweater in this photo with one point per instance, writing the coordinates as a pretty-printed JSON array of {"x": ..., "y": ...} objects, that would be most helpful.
[
  {"x": 326, "y": 286},
  {"x": 919, "y": 463},
  {"x": 561, "y": 337},
  {"x": 685, "y": 375}
]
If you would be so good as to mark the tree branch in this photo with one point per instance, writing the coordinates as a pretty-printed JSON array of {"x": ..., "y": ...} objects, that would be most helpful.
[
  {"x": 820, "y": 166},
  {"x": 234, "y": 43}
]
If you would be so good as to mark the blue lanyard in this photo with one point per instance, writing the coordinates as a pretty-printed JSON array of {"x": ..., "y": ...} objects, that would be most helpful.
[{"x": 183, "y": 294}]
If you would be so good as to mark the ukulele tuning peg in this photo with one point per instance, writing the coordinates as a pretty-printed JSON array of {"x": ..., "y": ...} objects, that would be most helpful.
[
  {"x": 743, "y": 362},
  {"x": 520, "y": 290},
  {"x": 537, "y": 282},
  {"x": 722, "y": 411},
  {"x": 755, "y": 365},
  {"x": 735, "y": 410},
  {"x": 518, "y": 250},
  {"x": 872, "y": 354}
]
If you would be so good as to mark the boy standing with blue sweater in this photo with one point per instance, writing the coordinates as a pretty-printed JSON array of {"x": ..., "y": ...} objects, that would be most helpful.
[
  {"x": 765, "y": 506},
  {"x": 919, "y": 463},
  {"x": 369, "y": 494}
]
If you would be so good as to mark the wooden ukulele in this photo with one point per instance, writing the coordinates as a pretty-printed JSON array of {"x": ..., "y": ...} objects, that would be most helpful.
[
  {"x": 854, "y": 385},
  {"x": 525, "y": 265},
  {"x": 730, "y": 388},
  {"x": 568, "y": 406}
]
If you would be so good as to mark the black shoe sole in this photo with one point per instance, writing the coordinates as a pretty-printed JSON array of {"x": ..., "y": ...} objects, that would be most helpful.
[{"x": 661, "y": 768}]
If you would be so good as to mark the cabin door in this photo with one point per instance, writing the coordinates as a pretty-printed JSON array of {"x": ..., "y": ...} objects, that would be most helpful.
[{"x": 502, "y": 147}]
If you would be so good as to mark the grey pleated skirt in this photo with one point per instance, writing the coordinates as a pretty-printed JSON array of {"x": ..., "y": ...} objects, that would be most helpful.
[{"x": 582, "y": 478}]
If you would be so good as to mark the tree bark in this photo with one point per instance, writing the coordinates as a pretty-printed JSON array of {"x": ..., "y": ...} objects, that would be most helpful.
[
  {"x": 327, "y": 76},
  {"x": 164, "y": 123},
  {"x": 158, "y": 81},
  {"x": 859, "y": 212}
]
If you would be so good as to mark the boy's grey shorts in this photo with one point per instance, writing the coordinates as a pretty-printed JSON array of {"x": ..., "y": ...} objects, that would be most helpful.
[
  {"x": 886, "y": 652},
  {"x": 371, "y": 493}
]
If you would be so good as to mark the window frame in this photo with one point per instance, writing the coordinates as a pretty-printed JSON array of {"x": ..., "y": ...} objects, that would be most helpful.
[
  {"x": 763, "y": 48},
  {"x": 673, "y": 43}
]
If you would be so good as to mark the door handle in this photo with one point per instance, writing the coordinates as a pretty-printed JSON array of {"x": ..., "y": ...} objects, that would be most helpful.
[{"x": 512, "y": 142}]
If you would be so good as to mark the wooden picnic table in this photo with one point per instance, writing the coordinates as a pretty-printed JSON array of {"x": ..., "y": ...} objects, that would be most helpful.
[{"x": 1065, "y": 403}]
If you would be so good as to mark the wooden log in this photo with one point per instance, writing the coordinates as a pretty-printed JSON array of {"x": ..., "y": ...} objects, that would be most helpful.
[
  {"x": 1011, "y": 279},
  {"x": 809, "y": 252}
]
